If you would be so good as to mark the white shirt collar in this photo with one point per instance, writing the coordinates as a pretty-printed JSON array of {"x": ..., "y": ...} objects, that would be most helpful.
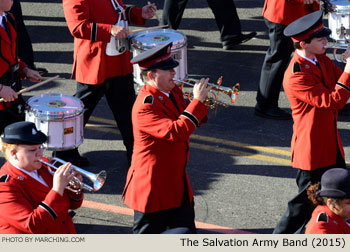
[
  {"x": 34, "y": 174},
  {"x": 167, "y": 94},
  {"x": 312, "y": 61},
  {"x": 3, "y": 15}
]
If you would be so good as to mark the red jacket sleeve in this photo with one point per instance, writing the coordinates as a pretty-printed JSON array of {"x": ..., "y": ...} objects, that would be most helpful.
[{"x": 19, "y": 212}]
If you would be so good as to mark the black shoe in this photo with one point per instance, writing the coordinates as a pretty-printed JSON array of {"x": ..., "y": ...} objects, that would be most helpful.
[
  {"x": 72, "y": 156},
  {"x": 230, "y": 44},
  {"x": 273, "y": 113}
]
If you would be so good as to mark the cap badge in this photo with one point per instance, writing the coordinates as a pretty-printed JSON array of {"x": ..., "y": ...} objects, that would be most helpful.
[{"x": 34, "y": 131}]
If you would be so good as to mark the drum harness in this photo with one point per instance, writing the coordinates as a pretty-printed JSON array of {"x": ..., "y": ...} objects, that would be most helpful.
[{"x": 11, "y": 77}]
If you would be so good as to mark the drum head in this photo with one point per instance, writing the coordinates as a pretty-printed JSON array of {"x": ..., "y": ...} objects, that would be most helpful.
[
  {"x": 149, "y": 39},
  {"x": 54, "y": 106}
]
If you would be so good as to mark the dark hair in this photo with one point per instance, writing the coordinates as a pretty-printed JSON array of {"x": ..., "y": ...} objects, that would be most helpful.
[
  {"x": 144, "y": 74},
  {"x": 317, "y": 200},
  {"x": 297, "y": 44}
]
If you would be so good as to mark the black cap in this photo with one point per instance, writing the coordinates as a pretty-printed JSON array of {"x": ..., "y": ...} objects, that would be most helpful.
[
  {"x": 307, "y": 27},
  {"x": 23, "y": 133},
  {"x": 156, "y": 58},
  {"x": 335, "y": 183}
]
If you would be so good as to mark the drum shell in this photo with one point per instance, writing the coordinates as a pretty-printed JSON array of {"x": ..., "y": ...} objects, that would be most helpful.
[
  {"x": 63, "y": 126},
  {"x": 178, "y": 49},
  {"x": 339, "y": 21}
]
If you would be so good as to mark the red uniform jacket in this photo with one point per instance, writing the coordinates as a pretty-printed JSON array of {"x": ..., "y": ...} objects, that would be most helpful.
[
  {"x": 8, "y": 51},
  {"x": 90, "y": 22},
  {"x": 157, "y": 175},
  {"x": 315, "y": 96},
  {"x": 285, "y": 12},
  {"x": 330, "y": 223},
  {"x": 29, "y": 207}
]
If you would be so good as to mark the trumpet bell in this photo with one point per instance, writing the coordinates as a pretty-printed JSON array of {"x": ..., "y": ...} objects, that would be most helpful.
[
  {"x": 218, "y": 95},
  {"x": 100, "y": 180}
]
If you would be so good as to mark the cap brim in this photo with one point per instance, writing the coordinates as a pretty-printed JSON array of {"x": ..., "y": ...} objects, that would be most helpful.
[
  {"x": 39, "y": 138},
  {"x": 325, "y": 32},
  {"x": 165, "y": 65},
  {"x": 332, "y": 193}
]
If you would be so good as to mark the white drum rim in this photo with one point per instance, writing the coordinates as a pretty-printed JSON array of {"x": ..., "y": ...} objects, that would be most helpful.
[
  {"x": 341, "y": 7},
  {"x": 141, "y": 46},
  {"x": 46, "y": 115}
]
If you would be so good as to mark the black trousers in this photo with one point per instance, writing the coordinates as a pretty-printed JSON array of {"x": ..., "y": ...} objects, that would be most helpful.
[
  {"x": 11, "y": 115},
  {"x": 24, "y": 43},
  {"x": 225, "y": 13},
  {"x": 165, "y": 220},
  {"x": 300, "y": 208},
  {"x": 120, "y": 95},
  {"x": 275, "y": 63}
]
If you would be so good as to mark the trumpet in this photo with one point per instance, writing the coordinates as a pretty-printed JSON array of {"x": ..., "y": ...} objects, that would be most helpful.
[
  {"x": 335, "y": 48},
  {"x": 214, "y": 98},
  {"x": 75, "y": 185}
]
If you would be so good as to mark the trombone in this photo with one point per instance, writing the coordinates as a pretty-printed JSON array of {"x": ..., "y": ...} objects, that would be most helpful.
[
  {"x": 213, "y": 99},
  {"x": 75, "y": 185}
]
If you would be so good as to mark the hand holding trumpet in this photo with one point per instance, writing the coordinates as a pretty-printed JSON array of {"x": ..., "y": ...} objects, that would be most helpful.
[
  {"x": 63, "y": 176},
  {"x": 201, "y": 89}
]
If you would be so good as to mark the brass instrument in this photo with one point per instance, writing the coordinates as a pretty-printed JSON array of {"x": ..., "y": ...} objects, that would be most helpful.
[
  {"x": 335, "y": 48},
  {"x": 75, "y": 185},
  {"x": 214, "y": 98}
]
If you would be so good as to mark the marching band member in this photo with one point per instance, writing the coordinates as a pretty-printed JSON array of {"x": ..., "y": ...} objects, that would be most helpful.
[
  {"x": 316, "y": 89},
  {"x": 99, "y": 68},
  {"x": 11, "y": 69},
  {"x": 32, "y": 201},
  {"x": 332, "y": 214},
  {"x": 277, "y": 15},
  {"x": 157, "y": 185}
]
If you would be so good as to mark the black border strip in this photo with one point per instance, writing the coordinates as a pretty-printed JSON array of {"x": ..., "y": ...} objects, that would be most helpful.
[
  {"x": 191, "y": 117},
  {"x": 344, "y": 86},
  {"x": 48, "y": 209}
]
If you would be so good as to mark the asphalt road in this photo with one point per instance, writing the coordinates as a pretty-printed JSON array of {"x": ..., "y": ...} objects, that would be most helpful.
[{"x": 239, "y": 163}]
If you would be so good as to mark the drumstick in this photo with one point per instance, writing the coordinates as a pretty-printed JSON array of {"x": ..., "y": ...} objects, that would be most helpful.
[
  {"x": 34, "y": 86},
  {"x": 154, "y": 12},
  {"x": 46, "y": 78},
  {"x": 149, "y": 28}
]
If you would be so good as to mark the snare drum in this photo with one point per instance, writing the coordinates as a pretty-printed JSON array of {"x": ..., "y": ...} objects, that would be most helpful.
[
  {"x": 339, "y": 21},
  {"x": 60, "y": 117},
  {"x": 142, "y": 41}
]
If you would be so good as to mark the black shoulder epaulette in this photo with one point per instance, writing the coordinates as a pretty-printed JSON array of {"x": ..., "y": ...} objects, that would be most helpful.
[
  {"x": 148, "y": 99},
  {"x": 296, "y": 67},
  {"x": 4, "y": 178},
  {"x": 322, "y": 217}
]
